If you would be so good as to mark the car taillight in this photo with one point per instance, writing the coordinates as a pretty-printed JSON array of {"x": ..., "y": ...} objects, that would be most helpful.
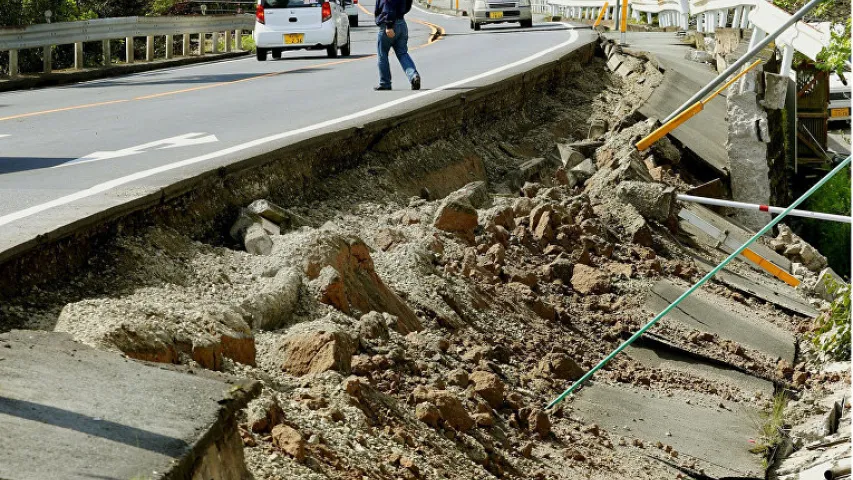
[
  {"x": 355, "y": 2},
  {"x": 327, "y": 11},
  {"x": 259, "y": 14}
]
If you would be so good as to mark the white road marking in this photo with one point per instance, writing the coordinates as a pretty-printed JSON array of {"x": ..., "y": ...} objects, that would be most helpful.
[
  {"x": 111, "y": 184},
  {"x": 4, "y": 135},
  {"x": 433, "y": 13},
  {"x": 186, "y": 140}
]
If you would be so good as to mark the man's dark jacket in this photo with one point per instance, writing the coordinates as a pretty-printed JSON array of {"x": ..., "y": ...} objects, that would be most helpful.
[{"x": 389, "y": 11}]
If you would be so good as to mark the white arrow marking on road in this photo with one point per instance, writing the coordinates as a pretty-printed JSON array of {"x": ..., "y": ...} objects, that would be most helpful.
[{"x": 186, "y": 140}]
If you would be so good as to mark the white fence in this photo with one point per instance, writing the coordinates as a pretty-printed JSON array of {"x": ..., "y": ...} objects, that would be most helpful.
[
  {"x": 46, "y": 36},
  {"x": 709, "y": 14}
]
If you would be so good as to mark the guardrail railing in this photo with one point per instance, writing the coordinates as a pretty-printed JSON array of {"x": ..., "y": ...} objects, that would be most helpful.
[
  {"x": 47, "y": 36},
  {"x": 709, "y": 14}
]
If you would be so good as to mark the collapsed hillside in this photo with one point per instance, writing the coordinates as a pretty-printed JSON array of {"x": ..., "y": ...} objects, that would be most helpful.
[{"x": 411, "y": 317}]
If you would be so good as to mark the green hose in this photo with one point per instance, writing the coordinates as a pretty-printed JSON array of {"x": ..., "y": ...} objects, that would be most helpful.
[{"x": 698, "y": 284}]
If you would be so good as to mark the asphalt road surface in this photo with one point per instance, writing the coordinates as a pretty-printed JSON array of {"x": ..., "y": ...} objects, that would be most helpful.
[{"x": 69, "y": 152}]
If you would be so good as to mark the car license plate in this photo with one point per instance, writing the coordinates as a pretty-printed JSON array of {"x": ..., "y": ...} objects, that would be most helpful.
[
  {"x": 292, "y": 38},
  {"x": 839, "y": 112},
  {"x": 494, "y": 15}
]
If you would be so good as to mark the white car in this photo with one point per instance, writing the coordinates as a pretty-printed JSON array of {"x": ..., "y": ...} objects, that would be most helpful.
[
  {"x": 501, "y": 11},
  {"x": 351, "y": 7},
  {"x": 301, "y": 24},
  {"x": 839, "y": 98}
]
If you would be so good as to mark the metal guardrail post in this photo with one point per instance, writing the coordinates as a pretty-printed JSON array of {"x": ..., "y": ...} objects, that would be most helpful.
[
  {"x": 744, "y": 59},
  {"x": 108, "y": 53},
  {"x": 78, "y": 56},
  {"x": 149, "y": 48},
  {"x": 13, "y": 63},
  {"x": 185, "y": 47},
  {"x": 170, "y": 47},
  {"x": 48, "y": 59},
  {"x": 128, "y": 49}
]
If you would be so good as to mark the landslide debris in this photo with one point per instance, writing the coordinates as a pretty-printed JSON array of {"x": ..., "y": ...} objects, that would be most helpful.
[{"x": 411, "y": 317}]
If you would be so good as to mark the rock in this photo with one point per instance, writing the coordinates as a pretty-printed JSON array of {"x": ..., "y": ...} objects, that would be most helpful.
[
  {"x": 539, "y": 423},
  {"x": 544, "y": 232},
  {"x": 456, "y": 216},
  {"x": 812, "y": 259},
  {"x": 372, "y": 327},
  {"x": 587, "y": 280},
  {"x": 828, "y": 284},
  {"x": 653, "y": 200},
  {"x": 331, "y": 289},
  {"x": 318, "y": 351},
  {"x": 290, "y": 441},
  {"x": 249, "y": 230},
  {"x": 428, "y": 413},
  {"x": 357, "y": 285},
  {"x": 475, "y": 193},
  {"x": 272, "y": 306},
  {"x": 597, "y": 128},
  {"x": 458, "y": 377},
  {"x": 451, "y": 410},
  {"x": 488, "y": 386},
  {"x": 561, "y": 269},
  {"x": 558, "y": 366},
  {"x": 263, "y": 413},
  {"x": 533, "y": 170},
  {"x": 484, "y": 420},
  {"x": 633, "y": 228},
  {"x": 587, "y": 148},
  {"x": 623, "y": 270},
  {"x": 567, "y": 155},
  {"x": 584, "y": 170},
  {"x": 527, "y": 450},
  {"x": 799, "y": 378}
]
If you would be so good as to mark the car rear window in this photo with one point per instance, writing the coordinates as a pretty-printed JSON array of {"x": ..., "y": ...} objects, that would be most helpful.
[{"x": 290, "y": 3}]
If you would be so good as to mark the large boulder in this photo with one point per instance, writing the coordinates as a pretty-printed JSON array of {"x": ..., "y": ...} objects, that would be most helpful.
[
  {"x": 588, "y": 280},
  {"x": 449, "y": 407},
  {"x": 290, "y": 441},
  {"x": 558, "y": 366},
  {"x": 488, "y": 386},
  {"x": 456, "y": 216}
]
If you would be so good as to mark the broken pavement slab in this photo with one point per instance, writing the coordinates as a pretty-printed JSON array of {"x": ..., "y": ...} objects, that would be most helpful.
[
  {"x": 72, "y": 412},
  {"x": 716, "y": 438},
  {"x": 697, "y": 312}
]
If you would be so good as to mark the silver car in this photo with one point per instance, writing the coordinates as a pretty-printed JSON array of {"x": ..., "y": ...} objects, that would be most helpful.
[
  {"x": 501, "y": 11},
  {"x": 839, "y": 99}
]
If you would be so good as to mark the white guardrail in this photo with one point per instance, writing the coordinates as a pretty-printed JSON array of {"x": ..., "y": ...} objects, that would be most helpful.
[
  {"x": 46, "y": 36},
  {"x": 709, "y": 14}
]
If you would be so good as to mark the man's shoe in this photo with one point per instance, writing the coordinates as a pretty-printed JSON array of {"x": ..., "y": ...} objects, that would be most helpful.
[
  {"x": 379, "y": 88},
  {"x": 416, "y": 82}
]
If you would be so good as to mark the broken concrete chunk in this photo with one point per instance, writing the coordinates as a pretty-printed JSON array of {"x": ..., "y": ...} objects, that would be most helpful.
[
  {"x": 665, "y": 152},
  {"x": 533, "y": 170},
  {"x": 285, "y": 219},
  {"x": 653, "y": 200},
  {"x": 699, "y": 56},
  {"x": 828, "y": 284},
  {"x": 584, "y": 170},
  {"x": 249, "y": 230},
  {"x": 615, "y": 61},
  {"x": 567, "y": 156},
  {"x": 586, "y": 148},
  {"x": 597, "y": 128},
  {"x": 775, "y": 91}
]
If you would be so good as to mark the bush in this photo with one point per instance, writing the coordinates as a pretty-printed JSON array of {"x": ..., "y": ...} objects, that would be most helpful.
[
  {"x": 831, "y": 333},
  {"x": 831, "y": 238}
]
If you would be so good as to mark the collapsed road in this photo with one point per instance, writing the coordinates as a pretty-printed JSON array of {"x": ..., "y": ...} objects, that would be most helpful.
[{"x": 403, "y": 306}]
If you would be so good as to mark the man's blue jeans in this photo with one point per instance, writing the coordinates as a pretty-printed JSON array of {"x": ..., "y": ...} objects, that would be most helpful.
[{"x": 401, "y": 48}]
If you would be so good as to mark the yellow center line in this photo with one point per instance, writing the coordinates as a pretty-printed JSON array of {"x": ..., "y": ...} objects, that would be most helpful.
[{"x": 436, "y": 34}]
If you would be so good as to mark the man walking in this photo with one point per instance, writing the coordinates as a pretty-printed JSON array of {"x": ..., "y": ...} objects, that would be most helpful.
[{"x": 394, "y": 33}]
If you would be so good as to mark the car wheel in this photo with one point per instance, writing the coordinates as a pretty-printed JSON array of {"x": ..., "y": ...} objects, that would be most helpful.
[
  {"x": 526, "y": 23},
  {"x": 276, "y": 54},
  {"x": 332, "y": 50},
  {"x": 346, "y": 48},
  {"x": 353, "y": 20},
  {"x": 476, "y": 27},
  {"x": 262, "y": 54}
]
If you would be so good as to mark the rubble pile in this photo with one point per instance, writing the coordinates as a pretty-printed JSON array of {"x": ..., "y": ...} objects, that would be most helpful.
[{"x": 420, "y": 334}]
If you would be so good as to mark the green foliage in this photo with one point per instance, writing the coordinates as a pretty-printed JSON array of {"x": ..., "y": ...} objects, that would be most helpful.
[
  {"x": 831, "y": 336},
  {"x": 831, "y": 238},
  {"x": 162, "y": 7},
  {"x": 248, "y": 43},
  {"x": 833, "y": 57}
]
